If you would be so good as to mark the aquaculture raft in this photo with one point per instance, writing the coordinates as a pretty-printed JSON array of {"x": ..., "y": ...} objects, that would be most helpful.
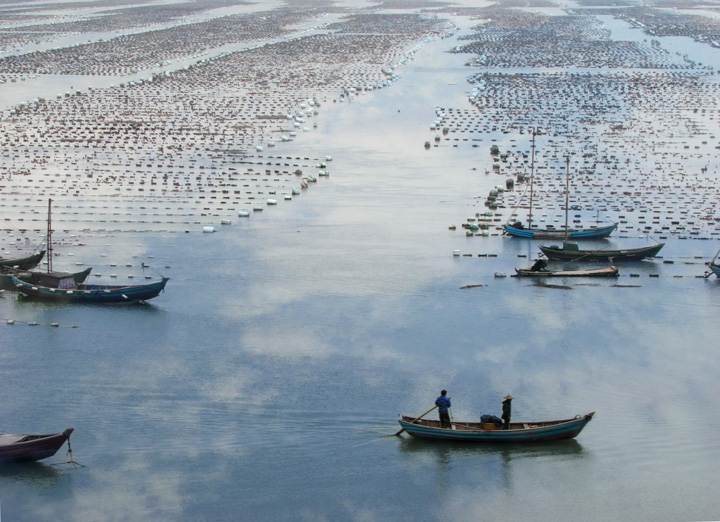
[{"x": 536, "y": 431}]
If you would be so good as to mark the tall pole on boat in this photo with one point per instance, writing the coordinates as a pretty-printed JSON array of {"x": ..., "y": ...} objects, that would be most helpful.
[
  {"x": 49, "y": 237},
  {"x": 567, "y": 193},
  {"x": 532, "y": 172}
]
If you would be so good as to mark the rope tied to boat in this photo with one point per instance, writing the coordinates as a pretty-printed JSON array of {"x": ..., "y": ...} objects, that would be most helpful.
[{"x": 70, "y": 456}]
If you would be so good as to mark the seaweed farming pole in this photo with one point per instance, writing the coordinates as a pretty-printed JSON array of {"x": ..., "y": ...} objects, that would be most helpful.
[
  {"x": 532, "y": 175},
  {"x": 567, "y": 193},
  {"x": 49, "y": 238}
]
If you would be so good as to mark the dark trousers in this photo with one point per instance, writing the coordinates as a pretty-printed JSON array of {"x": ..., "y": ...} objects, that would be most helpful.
[
  {"x": 445, "y": 419},
  {"x": 507, "y": 422}
]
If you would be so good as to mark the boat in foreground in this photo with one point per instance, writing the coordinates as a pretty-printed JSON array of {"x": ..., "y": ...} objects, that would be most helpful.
[
  {"x": 84, "y": 293},
  {"x": 570, "y": 250},
  {"x": 517, "y": 230},
  {"x": 608, "y": 271},
  {"x": 536, "y": 431},
  {"x": 26, "y": 448}
]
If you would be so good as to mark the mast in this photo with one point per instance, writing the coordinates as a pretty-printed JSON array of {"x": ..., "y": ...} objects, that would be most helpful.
[
  {"x": 49, "y": 238},
  {"x": 567, "y": 193},
  {"x": 532, "y": 171}
]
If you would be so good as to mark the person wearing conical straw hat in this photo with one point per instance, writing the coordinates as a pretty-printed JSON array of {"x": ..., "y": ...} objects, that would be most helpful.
[{"x": 507, "y": 411}]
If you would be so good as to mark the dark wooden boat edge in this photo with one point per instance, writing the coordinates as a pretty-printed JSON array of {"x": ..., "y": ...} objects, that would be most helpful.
[{"x": 32, "y": 448}]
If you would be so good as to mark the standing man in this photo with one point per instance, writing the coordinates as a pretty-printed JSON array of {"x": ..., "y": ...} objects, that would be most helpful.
[
  {"x": 507, "y": 411},
  {"x": 443, "y": 403}
]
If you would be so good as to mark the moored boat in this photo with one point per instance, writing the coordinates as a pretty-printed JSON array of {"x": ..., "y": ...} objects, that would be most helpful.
[
  {"x": 84, "y": 293},
  {"x": 26, "y": 448},
  {"x": 587, "y": 233},
  {"x": 23, "y": 263},
  {"x": 570, "y": 250},
  {"x": 50, "y": 279},
  {"x": 714, "y": 266},
  {"x": 535, "y": 431},
  {"x": 518, "y": 230},
  {"x": 608, "y": 271}
]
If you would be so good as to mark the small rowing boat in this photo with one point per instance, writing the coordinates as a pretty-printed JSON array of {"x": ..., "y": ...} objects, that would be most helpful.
[
  {"x": 608, "y": 271},
  {"x": 570, "y": 251},
  {"x": 26, "y": 448},
  {"x": 535, "y": 431}
]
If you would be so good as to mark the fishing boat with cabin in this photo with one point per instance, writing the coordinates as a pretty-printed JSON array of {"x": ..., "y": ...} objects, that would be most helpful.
[
  {"x": 83, "y": 293},
  {"x": 45, "y": 278}
]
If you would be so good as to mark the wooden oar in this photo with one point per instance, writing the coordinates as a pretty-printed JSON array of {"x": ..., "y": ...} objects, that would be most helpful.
[{"x": 420, "y": 417}]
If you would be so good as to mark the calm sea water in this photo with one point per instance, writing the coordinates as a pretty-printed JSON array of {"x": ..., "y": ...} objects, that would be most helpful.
[{"x": 265, "y": 383}]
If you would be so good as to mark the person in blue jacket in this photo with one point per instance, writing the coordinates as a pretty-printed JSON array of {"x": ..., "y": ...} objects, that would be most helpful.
[{"x": 443, "y": 403}]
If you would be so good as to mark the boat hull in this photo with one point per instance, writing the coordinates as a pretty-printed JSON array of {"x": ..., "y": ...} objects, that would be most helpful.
[
  {"x": 93, "y": 293},
  {"x": 24, "y": 263},
  {"x": 472, "y": 431},
  {"x": 610, "y": 271},
  {"x": 588, "y": 233},
  {"x": 632, "y": 254},
  {"x": 715, "y": 269},
  {"x": 30, "y": 448}
]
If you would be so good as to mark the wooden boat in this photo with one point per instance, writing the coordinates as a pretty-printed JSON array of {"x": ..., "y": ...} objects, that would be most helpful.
[
  {"x": 26, "y": 448},
  {"x": 517, "y": 229},
  {"x": 608, "y": 271},
  {"x": 537, "y": 431},
  {"x": 48, "y": 278},
  {"x": 713, "y": 266},
  {"x": 23, "y": 263},
  {"x": 570, "y": 250},
  {"x": 83, "y": 293},
  {"x": 586, "y": 233}
]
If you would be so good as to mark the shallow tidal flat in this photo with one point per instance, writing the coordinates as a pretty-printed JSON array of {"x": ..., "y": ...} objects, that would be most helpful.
[
  {"x": 336, "y": 149},
  {"x": 185, "y": 146}
]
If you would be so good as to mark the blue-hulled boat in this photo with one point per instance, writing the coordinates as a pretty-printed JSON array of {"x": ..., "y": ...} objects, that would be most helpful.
[
  {"x": 83, "y": 293},
  {"x": 518, "y": 230},
  {"x": 536, "y": 431},
  {"x": 586, "y": 233}
]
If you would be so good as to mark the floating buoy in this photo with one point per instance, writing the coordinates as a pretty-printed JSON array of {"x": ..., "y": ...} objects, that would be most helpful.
[
  {"x": 225, "y": 222},
  {"x": 456, "y": 253},
  {"x": 208, "y": 230},
  {"x": 243, "y": 213},
  {"x": 272, "y": 201}
]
